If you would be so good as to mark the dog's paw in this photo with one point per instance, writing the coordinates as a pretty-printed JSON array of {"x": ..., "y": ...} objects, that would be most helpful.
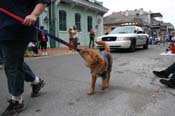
[
  {"x": 91, "y": 92},
  {"x": 104, "y": 87}
]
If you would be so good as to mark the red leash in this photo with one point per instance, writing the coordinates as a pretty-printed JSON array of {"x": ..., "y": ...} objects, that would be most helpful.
[
  {"x": 12, "y": 15},
  {"x": 45, "y": 32}
]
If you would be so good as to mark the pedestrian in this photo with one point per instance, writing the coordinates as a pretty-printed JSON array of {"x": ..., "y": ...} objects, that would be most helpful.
[
  {"x": 33, "y": 46},
  {"x": 170, "y": 82},
  {"x": 1, "y": 58},
  {"x": 91, "y": 37},
  {"x": 71, "y": 38},
  {"x": 14, "y": 39},
  {"x": 43, "y": 41},
  {"x": 75, "y": 40},
  {"x": 170, "y": 49}
]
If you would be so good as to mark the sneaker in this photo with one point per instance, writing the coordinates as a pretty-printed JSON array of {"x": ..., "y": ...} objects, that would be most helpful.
[
  {"x": 37, "y": 87},
  {"x": 45, "y": 53},
  {"x": 161, "y": 74},
  {"x": 170, "y": 83},
  {"x": 35, "y": 55},
  {"x": 13, "y": 109}
]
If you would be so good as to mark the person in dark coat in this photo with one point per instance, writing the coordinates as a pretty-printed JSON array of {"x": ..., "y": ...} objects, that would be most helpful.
[
  {"x": 164, "y": 74},
  {"x": 91, "y": 39},
  {"x": 14, "y": 39},
  {"x": 43, "y": 41}
]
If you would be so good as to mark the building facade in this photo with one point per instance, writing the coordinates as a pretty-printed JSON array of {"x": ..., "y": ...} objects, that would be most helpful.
[
  {"x": 83, "y": 14},
  {"x": 152, "y": 23}
]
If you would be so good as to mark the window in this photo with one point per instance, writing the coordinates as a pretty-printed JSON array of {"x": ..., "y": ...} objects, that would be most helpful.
[
  {"x": 78, "y": 21},
  {"x": 62, "y": 20},
  {"x": 89, "y": 23}
]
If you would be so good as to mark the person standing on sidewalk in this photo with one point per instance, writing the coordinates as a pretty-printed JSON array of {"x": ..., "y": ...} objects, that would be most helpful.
[
  {"x": 75, "y": 40},
  {"x": 165, "y": 75},
  {"x": 14, "y": 39},
  {"x": 43, "y": 41},
  {"x": 71, "y": 38},
  {"x": 91, "y": 37}
]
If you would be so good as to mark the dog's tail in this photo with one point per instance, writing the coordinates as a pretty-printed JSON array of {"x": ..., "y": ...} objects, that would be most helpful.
[{"x": 106, "y": 46}]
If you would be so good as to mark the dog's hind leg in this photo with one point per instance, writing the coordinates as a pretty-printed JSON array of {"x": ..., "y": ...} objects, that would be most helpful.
[
  {"x": 104, "y": 84},
  {"x": 92, "y": 88},
  {"x": 108, "y": 79}
]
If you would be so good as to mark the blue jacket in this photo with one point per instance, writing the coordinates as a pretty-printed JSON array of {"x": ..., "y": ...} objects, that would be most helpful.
[{"x": 21, "y": 8}]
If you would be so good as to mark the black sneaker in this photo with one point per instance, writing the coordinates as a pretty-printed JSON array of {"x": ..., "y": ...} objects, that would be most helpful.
[
  {"x": 160, "y": 74},
  {"x": 37, "y": 87},
  {"x": 170, "y": 83},
  {"x": 13, "y": 109}
]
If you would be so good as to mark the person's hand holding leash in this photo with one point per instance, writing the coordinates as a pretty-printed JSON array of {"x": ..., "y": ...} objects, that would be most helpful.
[{"x": 30, "y": 20}]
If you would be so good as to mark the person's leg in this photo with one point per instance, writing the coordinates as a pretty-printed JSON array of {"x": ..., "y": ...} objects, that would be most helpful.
[
  {"x": 35, "y": 50},
  {"x": 14, "y": 59},
  {"x": 165, "y": 73},
  {"x": 70, "y": 42},
  {"x": 42, "y": 48},
  {"x": 1, "y": 58},
  {"x": 45, "y": 48},
  {"x": 171, "y": 82},
  {"x": 75, "y": 43},
  {"x": 36, "y": 82},
  {"x": 15, "y": 77},
  {"x": 93, "y": 42},
  {"x": 16, "y": 69},
  {"x": 170, "y": 69},
  {"x": 90, "y": 43},
  {"x": 14, "y": 49}
]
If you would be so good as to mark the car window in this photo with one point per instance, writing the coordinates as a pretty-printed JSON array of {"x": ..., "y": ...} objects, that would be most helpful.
[
  {"x": 140, "y": 30},
  {"x": 119, "y": 30}
]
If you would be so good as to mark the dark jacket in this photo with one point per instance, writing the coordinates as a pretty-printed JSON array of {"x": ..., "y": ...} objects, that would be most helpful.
[
  {"x": 9, "y": 26},
  {"x": 40, "y": 37},
  {"x": 21, "y": 8}
]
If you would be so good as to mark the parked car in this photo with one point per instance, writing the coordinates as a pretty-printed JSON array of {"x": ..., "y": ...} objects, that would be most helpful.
[{"x": 125, "y": 37}]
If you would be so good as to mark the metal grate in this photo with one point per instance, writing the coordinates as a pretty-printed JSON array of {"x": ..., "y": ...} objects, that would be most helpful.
[{"x": 109, "y": 38}]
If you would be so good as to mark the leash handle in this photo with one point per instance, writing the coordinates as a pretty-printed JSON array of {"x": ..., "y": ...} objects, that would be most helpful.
[{"x": 45, "y": 32}]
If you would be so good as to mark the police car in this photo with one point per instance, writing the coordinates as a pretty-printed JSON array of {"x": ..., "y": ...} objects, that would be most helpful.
[{"x": 125, "y": 37}]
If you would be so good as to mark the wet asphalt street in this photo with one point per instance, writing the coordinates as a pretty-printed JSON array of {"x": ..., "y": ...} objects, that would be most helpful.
[{"x": 133, "y": 90}]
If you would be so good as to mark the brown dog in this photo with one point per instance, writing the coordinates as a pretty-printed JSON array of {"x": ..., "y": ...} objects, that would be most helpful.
[{"x": 100, "y": 64}]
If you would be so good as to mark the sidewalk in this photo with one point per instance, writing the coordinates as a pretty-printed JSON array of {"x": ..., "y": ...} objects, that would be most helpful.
[{"x": 58, "y": 51}]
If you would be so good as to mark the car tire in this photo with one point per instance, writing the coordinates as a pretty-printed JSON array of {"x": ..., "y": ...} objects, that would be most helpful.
[{"x": 132, "y": 47}]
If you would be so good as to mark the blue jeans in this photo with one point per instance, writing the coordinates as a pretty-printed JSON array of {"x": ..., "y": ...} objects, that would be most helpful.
[
  {"x": 14, "y": 40},
  {"x": 1, "y": 56},
  {"x": 17, "y": 71}
]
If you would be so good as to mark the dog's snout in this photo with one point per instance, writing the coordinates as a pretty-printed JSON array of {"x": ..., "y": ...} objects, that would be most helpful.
[{"x": 78, "y": 50}]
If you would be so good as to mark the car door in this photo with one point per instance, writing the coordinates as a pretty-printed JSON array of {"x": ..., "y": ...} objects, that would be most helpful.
[
  {"x": 139, "y": 39},
  {"x": 140, "y": 34},
  {"x": 144, "y": 39}
]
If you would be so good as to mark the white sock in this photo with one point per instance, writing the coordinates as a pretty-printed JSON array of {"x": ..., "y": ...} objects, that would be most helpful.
[
  {"x": 36, "y": 81},
  {"x": 17, "y": 98}
]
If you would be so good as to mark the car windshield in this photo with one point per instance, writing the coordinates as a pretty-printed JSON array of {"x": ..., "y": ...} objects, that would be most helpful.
[{"x": 119, "y": 30}]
